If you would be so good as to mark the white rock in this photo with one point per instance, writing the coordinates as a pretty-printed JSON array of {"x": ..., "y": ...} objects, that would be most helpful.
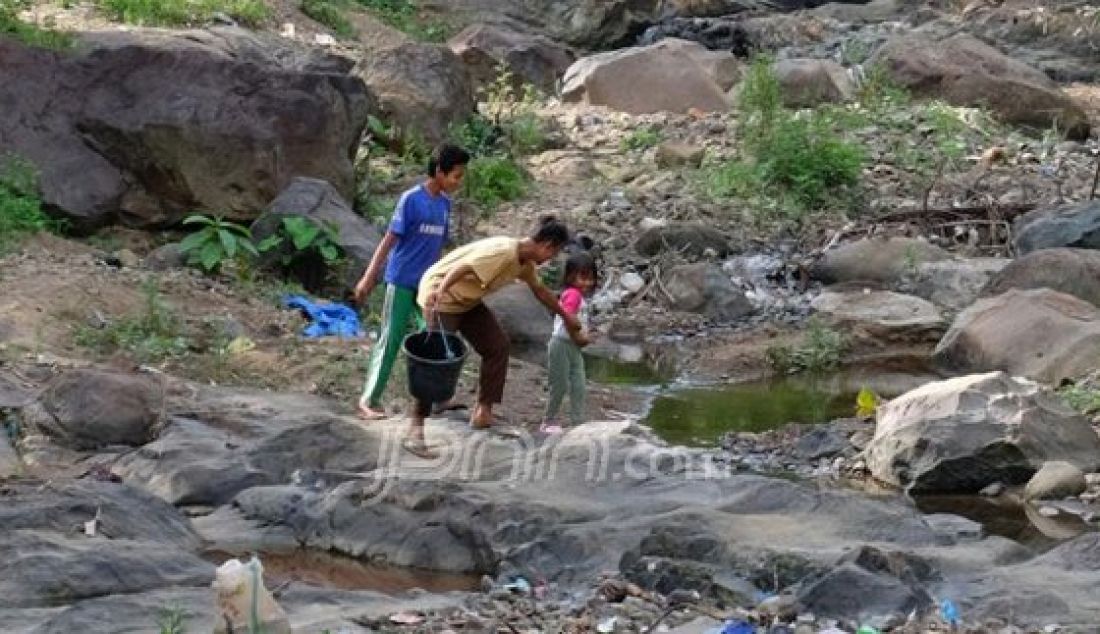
[
  {"x": 324, "y": 39},
  {"x": 632, "y": 282},
  {"x": 1048, "y": 511}
]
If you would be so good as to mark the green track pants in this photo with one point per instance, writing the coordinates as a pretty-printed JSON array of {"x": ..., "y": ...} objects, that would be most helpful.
[{"x": 399, "y": 306}]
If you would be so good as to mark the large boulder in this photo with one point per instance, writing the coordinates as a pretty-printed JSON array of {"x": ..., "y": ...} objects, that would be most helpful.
[
  {"x": 671, "y": 75},
  {"x": 90, "y": 409},
  {"x": 322, "y": 204},
  {"x": 883, "y": 260},
  {"x": 124, "y": 512},
  {"x": 422, "y": 88},
  {"x": 532, "y": 59},
  {"x": 45, "y": 569},
  {"x": 881, "y": 314},
  {"x": 145, "y": 126},
  {"x": 954, "y": 284},
  {"x": 1041, "y": 334},
  {"x": 706, "y": 289},
  {"x": 522, "y": 316},
  {"x": 963, "y": 434},
  {"x": 596, "y": 24},
  {"x": 692, "y": 240},
  {"x": 1072, "y": 271},
  {"x": 806, "y": 83},
  {"x": 965, "y": 71},
  {"x": 1073, "y": 225}
]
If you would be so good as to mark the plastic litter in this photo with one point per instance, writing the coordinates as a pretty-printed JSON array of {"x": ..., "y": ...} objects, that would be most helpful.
[
  {"x": 407, "y": 618},
  {"x": 519, "y": 585},
  {"x": 607, "y": 625},
  {"x": 329, "y": 320},
  {"x": 950, "y": 612},
  {"x": 244, "y": 604},
  {"x": 737, "y": 627},
  {"x": 867, "y": 629},
  {"x": 240, "y": 345}
]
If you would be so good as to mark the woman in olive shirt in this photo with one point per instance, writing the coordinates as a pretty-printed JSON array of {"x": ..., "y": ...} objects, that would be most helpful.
[{"x": 451, "y": 294}]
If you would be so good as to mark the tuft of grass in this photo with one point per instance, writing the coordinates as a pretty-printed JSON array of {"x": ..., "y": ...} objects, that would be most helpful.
[
  {"x": 153, "y": 335},
  {"x": 21, "y": 213},
  {"x": 1083, "y": 397},
  {"x": 492, "y": 180},
  {"x": 30, "y": 34},
  {"x": 171, "y": 621},
  {"x": 176, "y": 13},
  {"x": 330, "y": 14},
  {"x": 821, "y": 349},
  {"x": 641, "y": 139},
  {"x": 403, "y": 16}
]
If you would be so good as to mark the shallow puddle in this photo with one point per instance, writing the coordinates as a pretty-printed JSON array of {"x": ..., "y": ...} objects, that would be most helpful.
[
  {"x": 629, "y": 365},
  {"x": 1022, "y": 523},
  {"x": 700, "y": 416},
  {"x": 345, "y": 573}
]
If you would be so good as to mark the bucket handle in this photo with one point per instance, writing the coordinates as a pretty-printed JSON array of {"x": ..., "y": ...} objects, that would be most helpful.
[{"x": 443, "y": 335}]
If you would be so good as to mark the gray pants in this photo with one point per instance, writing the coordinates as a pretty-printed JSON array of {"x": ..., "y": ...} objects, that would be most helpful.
[{"x": 565, "y": 364}]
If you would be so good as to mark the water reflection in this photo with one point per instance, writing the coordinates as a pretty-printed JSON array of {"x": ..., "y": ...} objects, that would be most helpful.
[
  {"x": 700, "y": 416},
  {"x": 1007, "y": 517}
]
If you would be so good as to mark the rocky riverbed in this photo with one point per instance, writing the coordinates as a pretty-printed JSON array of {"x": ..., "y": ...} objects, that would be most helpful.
[{"x": 159, "y": 419}]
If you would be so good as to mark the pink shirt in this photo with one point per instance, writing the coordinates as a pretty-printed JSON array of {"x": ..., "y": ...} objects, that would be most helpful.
[{"x": 572, "y": 302}]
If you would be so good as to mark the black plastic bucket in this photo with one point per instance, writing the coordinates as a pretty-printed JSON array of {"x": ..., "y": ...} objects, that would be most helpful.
[{"x": 433, "y": 376}]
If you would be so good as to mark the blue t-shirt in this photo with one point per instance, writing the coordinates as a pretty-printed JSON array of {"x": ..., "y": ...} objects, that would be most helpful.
[{"x": 420, "y": 222}]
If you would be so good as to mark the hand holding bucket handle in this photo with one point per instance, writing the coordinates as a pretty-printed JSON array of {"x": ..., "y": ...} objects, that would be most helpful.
[{"x": 443, "y": 335}]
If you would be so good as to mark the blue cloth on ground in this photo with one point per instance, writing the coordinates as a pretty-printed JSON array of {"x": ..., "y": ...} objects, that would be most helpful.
[{"x": 329, "y": 320}]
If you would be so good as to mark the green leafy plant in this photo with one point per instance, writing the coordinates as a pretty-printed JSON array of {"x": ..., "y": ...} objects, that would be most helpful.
[
  {"x": 307, "y": 238},
  {"x": 511, "y": 111},
  {"x": 795, "y": 158},
  {"x": 491, "y": 180},
  {"x": 821, "y": 349},
  {"x": 330, "y": 14},
  {"x": 641, "y": 139},
  {"x": 30, "y": 34},
  {"x": 21, "y": 212},
  {"x": 183, "y": 12},
  {"x": 153, "y": 335},
  {"x": 477, "y": 135},
  {"x": 216, "y": 242}
]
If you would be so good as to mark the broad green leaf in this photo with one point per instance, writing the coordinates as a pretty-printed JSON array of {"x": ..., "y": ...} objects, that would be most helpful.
[
  {"x": 238, "y": 229},
  {"x": 198, "y": 219},
  {"x": 247, "y": 245},
  {"x": 229, "y": 242},
  {"x": 194, "y": 241},
  {"x": 330, "y": 252},
  {"x": 211, "y": 256},
  {"x": 269, "y": 243}
]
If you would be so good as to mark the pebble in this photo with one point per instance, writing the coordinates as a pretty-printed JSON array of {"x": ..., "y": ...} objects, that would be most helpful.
[
  {"x": 993, "y": 490},
  {"x": 1048, "y": 511}
]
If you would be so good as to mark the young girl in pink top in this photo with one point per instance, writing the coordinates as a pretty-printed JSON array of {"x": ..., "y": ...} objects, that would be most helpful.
[{"x": 565, "y": 363}]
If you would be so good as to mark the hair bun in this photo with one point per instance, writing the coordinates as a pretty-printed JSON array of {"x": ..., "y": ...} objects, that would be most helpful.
[{"x": 548, "y": 219}]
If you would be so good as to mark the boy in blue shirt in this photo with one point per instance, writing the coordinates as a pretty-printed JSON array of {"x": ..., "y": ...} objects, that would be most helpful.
[{"x": 413, "y": 243}]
